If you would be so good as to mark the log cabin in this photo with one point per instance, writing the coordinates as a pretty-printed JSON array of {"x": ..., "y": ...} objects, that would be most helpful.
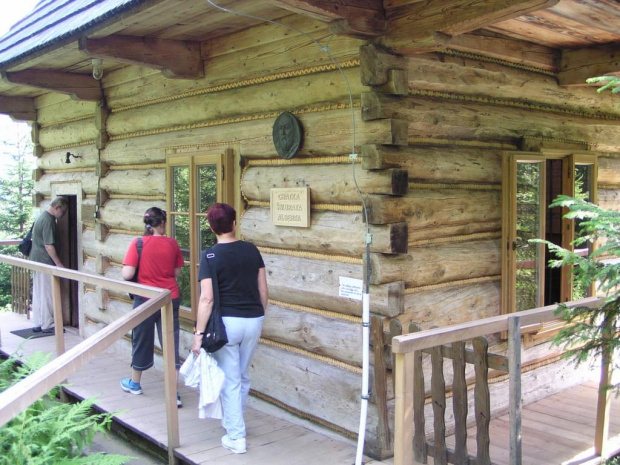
[{"x": 425, "y": 138}]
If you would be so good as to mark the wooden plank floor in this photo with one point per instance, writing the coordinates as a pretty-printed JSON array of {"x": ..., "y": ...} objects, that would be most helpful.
[
  {"x": 271, "y": 440},
  {"x": 556, "y": 430}
]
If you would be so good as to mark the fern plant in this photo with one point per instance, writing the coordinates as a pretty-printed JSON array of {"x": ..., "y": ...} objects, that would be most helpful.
[
  {"x": 49, "y": 431},
  {"x": 591, "y": 331}
]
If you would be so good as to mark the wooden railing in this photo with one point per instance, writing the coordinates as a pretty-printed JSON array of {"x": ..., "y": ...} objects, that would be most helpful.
[
  {"x": 409, "y": 437},
  {"x": 20, "y": 396},
  {"x": 21, "y": 284}
]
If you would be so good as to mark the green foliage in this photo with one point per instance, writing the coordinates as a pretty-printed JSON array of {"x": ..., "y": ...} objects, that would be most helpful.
[
  {"x": 591, "y": 331},
  {"x": 49, "y": 431},
  {"x": 16, "y": 187},
  {"x": 610, "y": 82},
  {"x": 5, "y": 276}
]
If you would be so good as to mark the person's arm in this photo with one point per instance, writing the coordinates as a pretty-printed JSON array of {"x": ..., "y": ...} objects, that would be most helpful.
[
  {"x": 178, "y": 272},
  {"x": 128, "y": 272},
  {"x": 51, "y": 251},
  {"x": 262, "y": 287},
  {"x": 205, "y": 305}
]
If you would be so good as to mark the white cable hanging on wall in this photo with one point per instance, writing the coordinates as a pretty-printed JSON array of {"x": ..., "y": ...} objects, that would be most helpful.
[{"x": 367, "y": 238}]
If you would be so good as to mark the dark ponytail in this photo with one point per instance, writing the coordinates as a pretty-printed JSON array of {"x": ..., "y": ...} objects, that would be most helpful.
[{"x": 153, "y": 217}]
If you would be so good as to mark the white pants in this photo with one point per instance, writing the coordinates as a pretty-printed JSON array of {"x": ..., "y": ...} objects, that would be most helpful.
[
  {"x": 42, "y": 302},
  {"x": 234, "y": 358}
]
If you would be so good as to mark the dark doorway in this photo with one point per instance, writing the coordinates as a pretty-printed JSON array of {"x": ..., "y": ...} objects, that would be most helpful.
[{"x": 67, "y": 228}]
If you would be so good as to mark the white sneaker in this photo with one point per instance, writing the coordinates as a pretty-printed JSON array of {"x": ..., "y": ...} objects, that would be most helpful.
[{"x": 235, "y": 445}]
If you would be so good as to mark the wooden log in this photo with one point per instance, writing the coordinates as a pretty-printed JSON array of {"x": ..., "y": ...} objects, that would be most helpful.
[
  {"x": 328, "y": 183},
  {"x": 86, "y": 179},
  {"x": 321, "y": 335},
  {"x": 452, "y": 305},
  {"x": 54, "y": 110},
  {"x": 609, "y": 199},
  {"x": 609, "y": 170},
  {"x": 315, "y": 283},
  {"x": 238, "y": 57},
  {"x": 436, "y": 217},
  {"x": 274, "y": 371},
  {"x": 331, "y": 135},
  {"x": 268, "y": 97},
  {"x": 69, "y": 133},
  {"x": 437, "y": 213},
  {"x": 445, "y": 118},
  {"x": 57, "y": 159},
  {"x": 468, "y": 76},
  {"x": 329, "y": 232},
  {"x": 123, "y": 182},
  {"x": 438, "y": 263},
  {"x": 127, "y": 214},
  {"x": 376, "y": 64},
  {"x": 441, "y": 164},
  {"x": 114, "y": 247}
]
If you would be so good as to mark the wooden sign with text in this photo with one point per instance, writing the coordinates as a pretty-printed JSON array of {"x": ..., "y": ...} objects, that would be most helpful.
[{"x": 290, "y": 207}]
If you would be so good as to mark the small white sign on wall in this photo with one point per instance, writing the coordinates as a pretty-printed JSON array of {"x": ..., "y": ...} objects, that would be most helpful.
[{"x": 350, "y": 288}]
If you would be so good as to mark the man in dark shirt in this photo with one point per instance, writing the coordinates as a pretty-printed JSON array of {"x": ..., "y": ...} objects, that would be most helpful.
[{"x": 45, "y": 249}]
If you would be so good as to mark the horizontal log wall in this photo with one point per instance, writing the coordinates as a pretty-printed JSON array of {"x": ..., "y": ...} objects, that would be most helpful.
[{"x": 122, "y": 171}]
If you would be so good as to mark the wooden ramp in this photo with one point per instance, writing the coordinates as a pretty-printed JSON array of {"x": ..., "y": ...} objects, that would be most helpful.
[
  {"x": 271, "y": 440},
  {"x": 556, "y": 430}
]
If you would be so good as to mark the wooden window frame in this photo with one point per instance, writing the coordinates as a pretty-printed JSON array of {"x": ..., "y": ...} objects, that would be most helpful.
[
  {"x": 224, "y": 162},
  {"x": 541, "y": 332}
]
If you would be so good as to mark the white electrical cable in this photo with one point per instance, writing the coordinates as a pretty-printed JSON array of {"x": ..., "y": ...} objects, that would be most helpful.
[{"x": 368, "y": 238}]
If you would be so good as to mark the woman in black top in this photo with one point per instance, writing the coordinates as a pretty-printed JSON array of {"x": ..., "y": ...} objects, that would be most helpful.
[{"x": 242, "y": 285}]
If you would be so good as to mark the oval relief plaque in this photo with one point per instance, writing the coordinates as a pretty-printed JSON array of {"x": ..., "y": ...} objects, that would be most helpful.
[{"x": 287, "y": 134}]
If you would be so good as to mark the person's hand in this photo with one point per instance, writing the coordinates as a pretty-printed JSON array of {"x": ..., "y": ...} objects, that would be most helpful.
[{"x": 197, "y": 344}]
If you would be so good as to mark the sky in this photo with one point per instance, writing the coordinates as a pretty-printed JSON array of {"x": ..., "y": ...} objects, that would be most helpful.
[{"x": 12, "y": 11}]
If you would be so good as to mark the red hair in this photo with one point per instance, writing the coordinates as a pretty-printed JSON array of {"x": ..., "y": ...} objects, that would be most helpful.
[{"x": 221, "y": 217}]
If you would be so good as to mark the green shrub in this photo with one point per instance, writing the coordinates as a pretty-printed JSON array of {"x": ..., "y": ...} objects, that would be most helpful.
[{"x": 49, "y": 431}]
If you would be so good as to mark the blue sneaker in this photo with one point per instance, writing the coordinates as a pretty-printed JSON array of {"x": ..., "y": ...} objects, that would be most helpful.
[
  {"x": 179, "y": 401},
  {"x": 129, "y": 386}
]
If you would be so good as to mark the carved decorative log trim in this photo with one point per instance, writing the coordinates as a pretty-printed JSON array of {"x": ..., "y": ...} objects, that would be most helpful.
[
  {"x": 177, "y": 59},
  {"x": 78, "y": 86},
  {"x": 18, "y": 108}
]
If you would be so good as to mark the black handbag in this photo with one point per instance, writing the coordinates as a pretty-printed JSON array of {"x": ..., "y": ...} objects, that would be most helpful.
[
  {"x": 25, "y": 246},
  {"x": 215, "y": 336},
  {"x": 134, "y": 278}
]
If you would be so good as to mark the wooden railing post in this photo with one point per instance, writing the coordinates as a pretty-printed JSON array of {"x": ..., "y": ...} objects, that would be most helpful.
[
  {"x": 601, "y": 431},
  {"x": 515, "y": 401},
  {"x": 170, "y": 383},
  {"x": 403, "y": 414},
  {"x": 58, "y": 322}
]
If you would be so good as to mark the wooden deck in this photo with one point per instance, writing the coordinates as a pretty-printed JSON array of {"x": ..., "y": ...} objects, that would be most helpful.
[{"x": 556, "y": 430}]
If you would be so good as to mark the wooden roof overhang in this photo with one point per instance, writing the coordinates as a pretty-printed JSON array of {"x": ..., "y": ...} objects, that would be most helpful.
[{"x": 52, "y": 49}]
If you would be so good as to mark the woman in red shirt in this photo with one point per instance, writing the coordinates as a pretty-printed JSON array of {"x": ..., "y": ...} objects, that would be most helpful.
[{"x": 158, "y": 265}]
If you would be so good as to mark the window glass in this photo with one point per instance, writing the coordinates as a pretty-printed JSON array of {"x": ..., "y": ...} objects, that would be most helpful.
[
  {"x": 583, "y": 183},
  {"x": 528, "y": 223}
]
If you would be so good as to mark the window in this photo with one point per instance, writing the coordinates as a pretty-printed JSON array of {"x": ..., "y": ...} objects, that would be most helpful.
[
  {"x": 195, "y": 181},
  {"x": 531, "y": 182}
]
